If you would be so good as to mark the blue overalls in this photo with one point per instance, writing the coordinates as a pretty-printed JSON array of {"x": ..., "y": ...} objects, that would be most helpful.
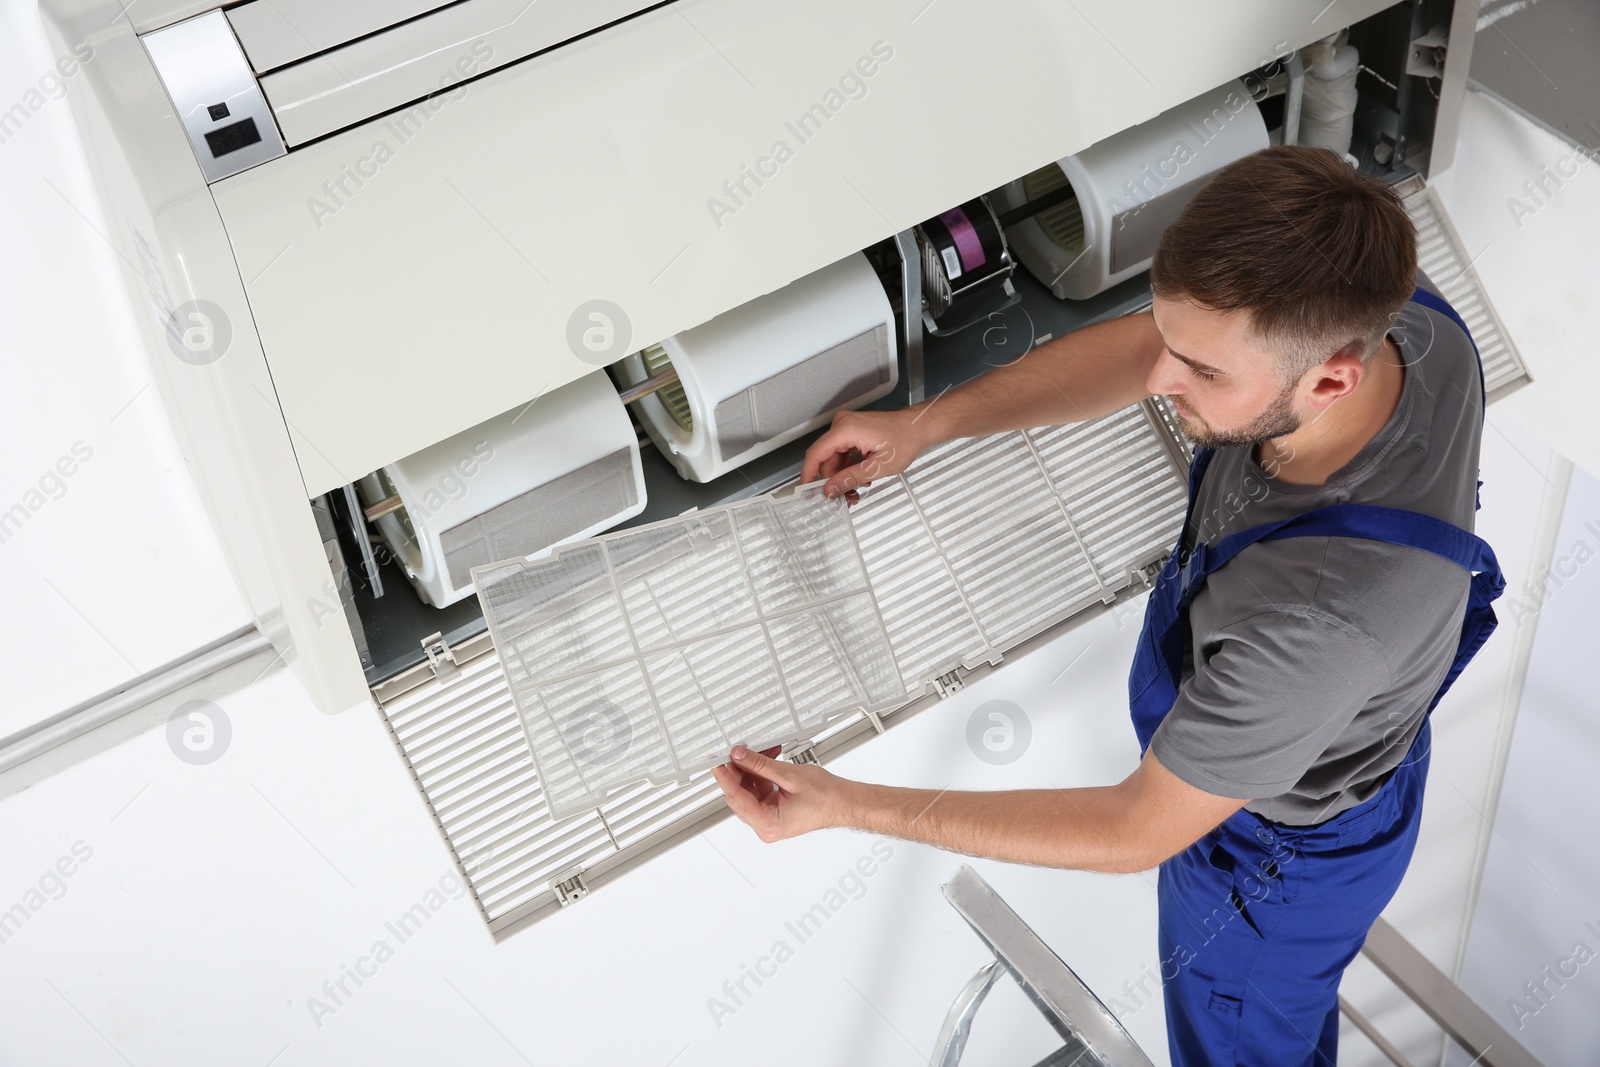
[{"x": 1259, "y": 919}]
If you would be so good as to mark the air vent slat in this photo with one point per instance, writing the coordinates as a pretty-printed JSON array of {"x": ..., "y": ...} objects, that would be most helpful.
[{"x": 1445, "y": 261}]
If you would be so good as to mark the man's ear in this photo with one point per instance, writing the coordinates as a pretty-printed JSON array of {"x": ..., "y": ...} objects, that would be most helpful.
[{"x": 1337, "y": 377}]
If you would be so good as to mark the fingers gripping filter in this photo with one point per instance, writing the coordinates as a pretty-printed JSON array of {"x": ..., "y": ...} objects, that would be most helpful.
[
  {"x": 648, "y": 654},
  {"x": 564, "y": 467},
  {"x": 1126, "y": 190},
  {"x": 768, "y": 371},
  {"x": 966, "y": 267}
]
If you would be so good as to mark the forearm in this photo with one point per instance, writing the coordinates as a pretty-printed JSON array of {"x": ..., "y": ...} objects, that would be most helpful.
[
  {"x": 1082, "y": 375},
  {"x": 1082, "y": 829},
  {"x": 1131, "y": 826}
]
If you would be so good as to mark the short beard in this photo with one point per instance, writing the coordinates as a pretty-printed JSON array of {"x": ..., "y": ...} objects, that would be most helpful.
[{"x": 1278, "y": 420}]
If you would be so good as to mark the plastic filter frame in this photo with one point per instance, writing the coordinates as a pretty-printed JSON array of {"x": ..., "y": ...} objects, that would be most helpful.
[{"x": 646, "y": 655}]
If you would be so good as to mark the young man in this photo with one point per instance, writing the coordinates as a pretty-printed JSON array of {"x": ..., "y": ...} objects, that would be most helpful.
[{"x": 1325, "y": 591}]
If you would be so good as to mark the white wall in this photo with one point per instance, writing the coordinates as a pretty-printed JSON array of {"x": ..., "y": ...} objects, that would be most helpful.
[
  {"x": 1470, "y": 725},
  {"x": 1538, "y": 253},
  {"x": 110, "y": 570},
  {"x": 1540, "y": 902},
  {"x": 1543, "y": 269}
]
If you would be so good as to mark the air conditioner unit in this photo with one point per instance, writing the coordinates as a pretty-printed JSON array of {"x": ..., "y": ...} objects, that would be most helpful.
[
  {"x": 1126, "y": 190},
  {"x": 770, "y": 370},
  {"x": 563, "y": 467}
]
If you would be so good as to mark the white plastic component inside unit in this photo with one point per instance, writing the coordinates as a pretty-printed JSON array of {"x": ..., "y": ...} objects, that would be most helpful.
[
  {"x": 647, "y": 654},
  {"x": 1129, "y": 187},
  {"x": 563, "y": 467},
  {"x": 770, "y": 370}
]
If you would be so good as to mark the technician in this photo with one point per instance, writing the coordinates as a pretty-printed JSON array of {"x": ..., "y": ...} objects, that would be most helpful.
[{"x": 1324, "y": 592}]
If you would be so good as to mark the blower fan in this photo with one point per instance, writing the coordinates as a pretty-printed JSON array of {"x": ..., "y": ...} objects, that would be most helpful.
[{"x": 966, "y": 267}]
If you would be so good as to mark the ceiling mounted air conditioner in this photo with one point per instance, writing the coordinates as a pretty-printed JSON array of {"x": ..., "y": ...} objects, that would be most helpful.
[
  {"x": 563, "y": 467},
  {"x": 1110, "y": 202},
  {"x": 768, "y": 371}
]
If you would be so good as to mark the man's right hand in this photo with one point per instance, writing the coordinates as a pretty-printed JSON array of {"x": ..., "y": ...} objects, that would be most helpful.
[
  {"x": 1078, "y": 376},
  {"x": 861, "y": 446}
]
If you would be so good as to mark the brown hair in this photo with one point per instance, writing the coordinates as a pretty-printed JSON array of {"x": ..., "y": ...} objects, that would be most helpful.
[{"x": 1319, "y": 254}]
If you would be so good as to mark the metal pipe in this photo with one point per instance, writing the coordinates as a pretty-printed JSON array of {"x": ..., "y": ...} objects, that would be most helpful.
[
  {"x": 1291, "y": 104},
  {"x": 1385, "y": 1046},
  {"x": 358, "y": 530},
  {"x": 958, "y": 1020},
  {"x": 1445, "y": 1002},
  {"x": 79, "y": 720},
  {"x": 652, "y": 384},
  {"x": 387, "y": 506},
  {"x": 911, "y": 297}
]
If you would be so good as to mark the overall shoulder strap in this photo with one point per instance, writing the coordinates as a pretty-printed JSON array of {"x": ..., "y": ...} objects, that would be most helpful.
[
  {"x": 1399, "y": 527},
  {"x": 1370, "y": 522},
  {"x": 1396, "y": 526}
]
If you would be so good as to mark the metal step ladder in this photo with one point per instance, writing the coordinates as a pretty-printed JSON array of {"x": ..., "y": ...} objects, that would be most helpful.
[{"x": 1092, "y": 1036}]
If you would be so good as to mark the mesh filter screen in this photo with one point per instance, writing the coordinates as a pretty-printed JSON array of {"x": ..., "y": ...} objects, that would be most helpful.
[
  {"x": 647, "y": 654},
  {"x": 1119, "y": 479}
]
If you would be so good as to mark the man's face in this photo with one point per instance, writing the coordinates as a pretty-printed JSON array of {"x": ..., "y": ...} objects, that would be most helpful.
[{"x": 1224, "y": 386}]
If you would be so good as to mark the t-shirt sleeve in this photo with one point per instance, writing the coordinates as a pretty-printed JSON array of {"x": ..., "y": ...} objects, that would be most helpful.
[{"x": 1269, "y": 694}]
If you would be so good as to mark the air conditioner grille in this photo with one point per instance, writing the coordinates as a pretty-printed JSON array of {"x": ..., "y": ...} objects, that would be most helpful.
[{"x": 1444, "y": 260}]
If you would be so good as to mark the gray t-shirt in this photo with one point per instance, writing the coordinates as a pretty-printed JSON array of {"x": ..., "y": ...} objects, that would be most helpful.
[{"x": 1312, "y": 660}]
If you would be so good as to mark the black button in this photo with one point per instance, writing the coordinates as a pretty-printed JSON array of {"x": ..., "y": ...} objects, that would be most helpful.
[
  {"x": 218, "y": 111},
  {"x": 234, "y": 137}
]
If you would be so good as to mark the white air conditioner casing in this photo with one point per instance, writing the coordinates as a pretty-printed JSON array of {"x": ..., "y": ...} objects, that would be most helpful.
[
  {"x": 1129, "y": 187},
  {"x": 772, "y": 369},
  {"x": 561, "y": 468}
]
